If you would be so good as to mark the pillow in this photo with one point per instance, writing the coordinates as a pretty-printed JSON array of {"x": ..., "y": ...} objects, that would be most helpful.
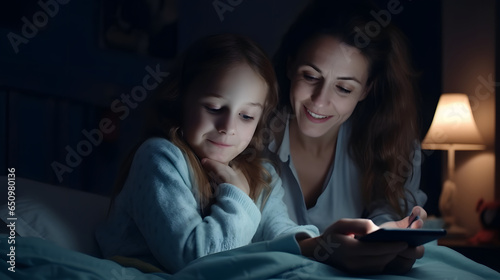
[{"x": 64, "y": 216}]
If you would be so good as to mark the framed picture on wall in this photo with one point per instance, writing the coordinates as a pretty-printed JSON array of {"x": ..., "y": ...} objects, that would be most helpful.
[{"x": 145, "y": 27}]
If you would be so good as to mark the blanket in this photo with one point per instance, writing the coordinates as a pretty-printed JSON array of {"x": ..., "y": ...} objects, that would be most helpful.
[{"x": 36, "y": 258}]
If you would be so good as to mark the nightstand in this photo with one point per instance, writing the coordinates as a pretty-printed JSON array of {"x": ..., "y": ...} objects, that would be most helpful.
[{"x": 487, "y": 254}]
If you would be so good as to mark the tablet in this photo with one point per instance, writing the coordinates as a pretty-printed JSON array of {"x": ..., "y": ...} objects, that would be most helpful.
[{"x": 414, "y": 237}]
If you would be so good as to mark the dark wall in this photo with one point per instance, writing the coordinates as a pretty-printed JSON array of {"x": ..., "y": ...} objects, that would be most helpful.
[
  {"x": 497, "y": 104},
  {"x": 60, "y": 76},
  {"x": 58, "y": 80},
  {"x": 421, "y": 23},
  {"x": 61, "y": 83}
]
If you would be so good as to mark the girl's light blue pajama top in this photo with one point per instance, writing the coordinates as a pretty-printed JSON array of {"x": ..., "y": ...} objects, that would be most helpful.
[{"x": 156, "y": 217}]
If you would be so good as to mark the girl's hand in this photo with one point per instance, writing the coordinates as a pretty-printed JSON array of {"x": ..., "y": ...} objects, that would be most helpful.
[
  {"x": 338, "y": 247},
  {"x": 222, "y": 173}
]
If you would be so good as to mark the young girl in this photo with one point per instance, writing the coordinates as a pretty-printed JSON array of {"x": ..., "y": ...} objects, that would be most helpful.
[{"x": 198, "y": 184}]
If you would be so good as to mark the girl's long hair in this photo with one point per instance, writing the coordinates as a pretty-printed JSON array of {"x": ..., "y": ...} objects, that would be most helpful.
[
  {"x": 213, "y": 54},
  {"x": 384, "y": 124}
]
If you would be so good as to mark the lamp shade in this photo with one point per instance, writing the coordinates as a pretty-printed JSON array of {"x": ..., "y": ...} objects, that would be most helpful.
[{"x": 453, "y": 126}]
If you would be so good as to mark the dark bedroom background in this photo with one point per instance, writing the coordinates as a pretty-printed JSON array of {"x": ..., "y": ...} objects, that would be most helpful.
[{"x": 73, "y": 68}]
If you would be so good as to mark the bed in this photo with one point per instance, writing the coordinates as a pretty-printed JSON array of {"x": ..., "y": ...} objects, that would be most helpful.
[{"x": 54, "y": 239}]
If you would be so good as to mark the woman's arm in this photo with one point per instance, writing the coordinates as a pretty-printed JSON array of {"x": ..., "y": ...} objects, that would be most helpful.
[
  {"x": 381, "y": 212},
  {"x": 338, "y": 247},
  {"x": 385, "y": 217}
]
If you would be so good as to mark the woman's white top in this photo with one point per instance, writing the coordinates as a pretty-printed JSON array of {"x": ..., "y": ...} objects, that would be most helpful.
[{"x": 341, "y": 196}]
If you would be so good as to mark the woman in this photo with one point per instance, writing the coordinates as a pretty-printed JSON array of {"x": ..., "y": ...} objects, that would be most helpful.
[{"x": 348, "y": 148}]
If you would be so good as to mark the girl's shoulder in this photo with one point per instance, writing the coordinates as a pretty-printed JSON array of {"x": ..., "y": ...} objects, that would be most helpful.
[
  {"x": 158, "y": 143},
  {"x": 158, "y": 149},
  {"x": 270, "y": 167}
]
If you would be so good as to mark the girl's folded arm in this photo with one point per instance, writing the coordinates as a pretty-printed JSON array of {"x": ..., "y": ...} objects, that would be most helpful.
[{"x": 163, "y": 205}]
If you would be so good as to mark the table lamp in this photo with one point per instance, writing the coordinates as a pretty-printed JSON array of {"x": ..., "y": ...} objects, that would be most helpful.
[{"x": 453, "y": 128}]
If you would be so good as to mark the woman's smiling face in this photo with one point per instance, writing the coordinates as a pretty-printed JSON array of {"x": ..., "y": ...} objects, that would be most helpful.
[{"x": 328, "y": 79}]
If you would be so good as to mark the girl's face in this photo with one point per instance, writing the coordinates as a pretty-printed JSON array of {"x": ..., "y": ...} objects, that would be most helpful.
[
  {"x": 222, "y": 113},
  {"x": 328, "y": 78}
]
